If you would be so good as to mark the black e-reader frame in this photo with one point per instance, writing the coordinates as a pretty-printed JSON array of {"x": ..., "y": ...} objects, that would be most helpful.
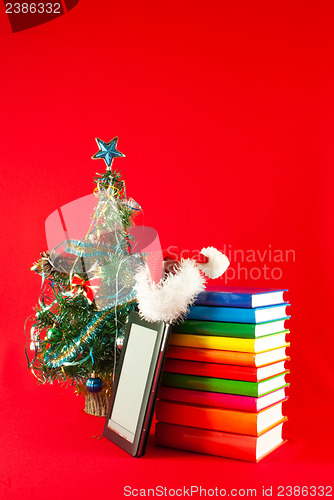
[{"x": 137, "y": 380}]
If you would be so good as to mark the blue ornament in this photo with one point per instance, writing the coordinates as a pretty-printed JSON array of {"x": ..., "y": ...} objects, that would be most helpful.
[
  {"x": 94, "y": 384},
  {"x": 107, "y": 151}
]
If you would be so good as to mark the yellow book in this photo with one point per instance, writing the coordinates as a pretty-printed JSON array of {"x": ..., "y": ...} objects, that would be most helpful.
[{"x": 265, "y": 343}]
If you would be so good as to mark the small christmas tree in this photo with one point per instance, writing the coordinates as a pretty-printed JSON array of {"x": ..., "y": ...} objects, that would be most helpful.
[{"x": 87, "y": 293}]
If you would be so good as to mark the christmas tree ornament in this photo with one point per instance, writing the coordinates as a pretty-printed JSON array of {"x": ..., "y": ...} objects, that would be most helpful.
[
  {"x": 94, "y": 385},
  {"x": 53, "y": 334},
  {"x": 34, "y": 335},
  {"x": 35, "y": 346},
  {"x": 120, "y": 341},
  {"x": 85, "y": 286},
  {"x": 107, "y": 151},
  {"x": 43, "y": 266}
]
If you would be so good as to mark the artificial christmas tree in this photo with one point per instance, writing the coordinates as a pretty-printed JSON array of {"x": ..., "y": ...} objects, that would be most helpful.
[{"x": 87, "y": 293}]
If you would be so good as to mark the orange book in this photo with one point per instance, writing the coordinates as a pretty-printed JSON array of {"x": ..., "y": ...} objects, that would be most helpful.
[
  {"x": 220, "y": 419},
  {"x": 227, "y": 357}
]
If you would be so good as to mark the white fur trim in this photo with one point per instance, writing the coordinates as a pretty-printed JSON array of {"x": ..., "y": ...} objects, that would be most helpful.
[
  {"x": 169, "y": 299},
  {"x": 217, "y": 265}
]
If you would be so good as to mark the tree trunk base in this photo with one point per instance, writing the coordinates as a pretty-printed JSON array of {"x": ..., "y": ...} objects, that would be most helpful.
[{"x": 97, "y": 404}]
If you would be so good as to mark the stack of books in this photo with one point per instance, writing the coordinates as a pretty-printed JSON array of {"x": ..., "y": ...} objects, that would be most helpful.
[{"x": 224, "y": 380}]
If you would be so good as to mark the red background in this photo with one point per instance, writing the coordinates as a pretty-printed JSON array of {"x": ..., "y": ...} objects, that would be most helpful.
[{"x": 225, "y": 113}]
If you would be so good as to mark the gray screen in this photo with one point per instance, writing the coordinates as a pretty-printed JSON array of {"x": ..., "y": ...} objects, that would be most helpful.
[{"x": 132, "y": 381}]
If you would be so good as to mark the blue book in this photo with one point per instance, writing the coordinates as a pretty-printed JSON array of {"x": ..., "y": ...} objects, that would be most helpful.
[
  {"x": 238, "y": 314},
  {"x": 240, "y": 296}
]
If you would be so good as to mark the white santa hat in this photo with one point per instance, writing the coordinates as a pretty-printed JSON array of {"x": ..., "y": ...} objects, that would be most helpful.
[{"x": 170, "y": 299}]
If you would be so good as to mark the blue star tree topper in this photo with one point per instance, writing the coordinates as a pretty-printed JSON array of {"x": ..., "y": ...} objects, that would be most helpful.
[{"x": 107, "y": 151}]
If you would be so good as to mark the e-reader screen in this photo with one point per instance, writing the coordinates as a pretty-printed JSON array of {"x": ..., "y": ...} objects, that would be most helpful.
[
  {"x": 132, "y": 381},
  {"x": 136, "y": 384}
]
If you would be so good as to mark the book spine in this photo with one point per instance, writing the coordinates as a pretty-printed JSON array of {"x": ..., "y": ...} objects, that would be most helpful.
[
  {"x": 212, "y": 355},
  {"x": 228, "y": 314},
  {"x": 206, "y": 441},
  {"x": 217, "y": 419},
  {"x": 209, "y": 342},
  {"x": 221, "y": 328},
  {"x": 235, "y": 372},
  {"x": 211, "y": 384},
  {"x": 230, "y": 401},
  {"x": 224, "y": 299}
]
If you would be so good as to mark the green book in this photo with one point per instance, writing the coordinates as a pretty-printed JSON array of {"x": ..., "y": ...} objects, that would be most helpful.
[
  {"x": 227, "y": 386},
  {"x": 220, "y": 328}
]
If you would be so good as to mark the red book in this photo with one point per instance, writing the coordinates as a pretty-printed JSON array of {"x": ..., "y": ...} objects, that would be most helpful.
[
  {"x": 235, "y": 372},
  {"x": 224, "y": 444}
]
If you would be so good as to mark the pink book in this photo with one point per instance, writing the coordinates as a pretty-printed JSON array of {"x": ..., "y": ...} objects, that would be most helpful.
[{"x": 231, "y": 401}]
